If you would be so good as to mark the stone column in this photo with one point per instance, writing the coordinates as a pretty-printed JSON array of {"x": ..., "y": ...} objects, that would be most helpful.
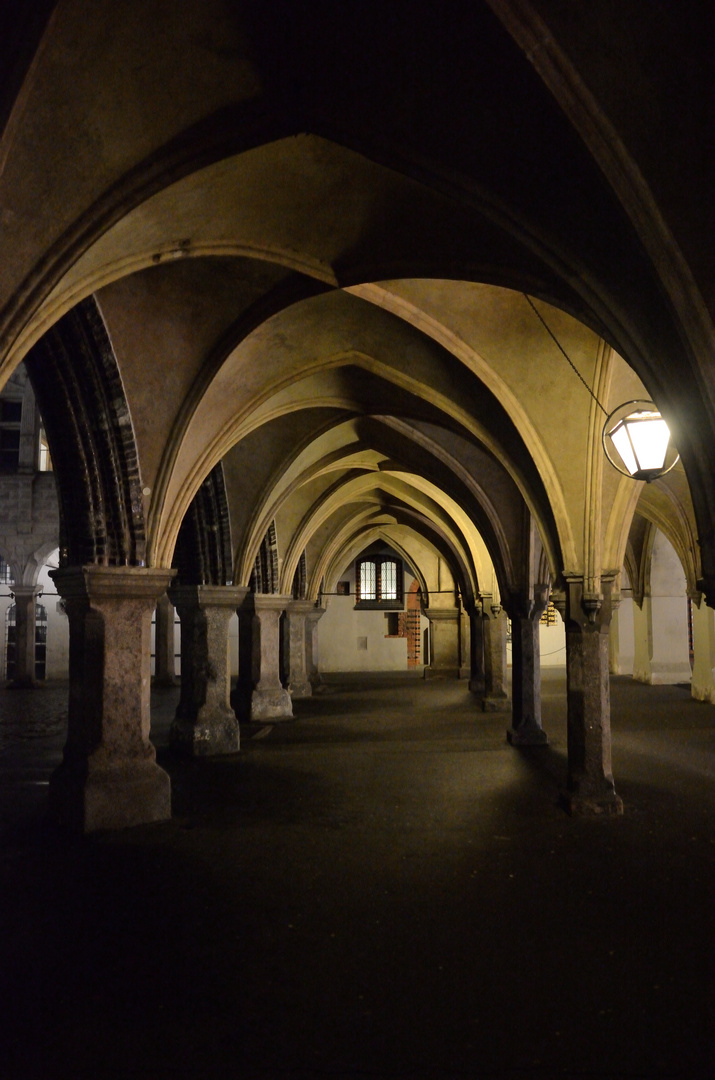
[
  {"x": 444, "y": 643},
  {"x": 476, "y": 649},
  {"x": 526, "y": 611},
  {"x": 205, "y": 723},
  {"x": 164, "y": 663},
  {"x": 312, "y": 657},
  {"x": 702, "y": 686},
  {"x": 642, "y": 640},
  {"x": 25, "y": 601},
  {"x": 109, "y": 778},
  {"x": 241, "y": 696},
  {"x": 296, "y": 630},
  {"x": 465, "y": 645},
  {"x": 614, "y": 639},
  {"x": 496, "y": 697},
  {"x": 270, "y": 700},
  {"x": 590, "y": 785}
]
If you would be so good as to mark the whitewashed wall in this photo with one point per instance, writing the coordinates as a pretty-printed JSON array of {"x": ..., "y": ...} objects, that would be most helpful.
[{"x": 350, "y": 640}]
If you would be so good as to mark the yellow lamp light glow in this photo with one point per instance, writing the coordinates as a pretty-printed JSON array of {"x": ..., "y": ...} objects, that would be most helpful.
[{"x": 636, "y": 440}]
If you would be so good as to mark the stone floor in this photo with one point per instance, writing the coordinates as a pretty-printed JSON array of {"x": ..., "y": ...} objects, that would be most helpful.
[{"x": 382, "y": 889}]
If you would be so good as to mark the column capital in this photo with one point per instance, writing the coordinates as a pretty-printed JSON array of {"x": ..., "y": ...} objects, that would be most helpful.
[
  {"x": 20, "y": 591},
  {"x": 441, "y": 614},
  {"x": 491, "y": 607},
  {"x": 528, "y": 603},
  {"x": 92, "y": 582},
  {"x": 586, "y": 609},
  {"x": 269, "y": 602},
  {"x": 706, "y": 585},
  {"x": 302, "y": 607},
  {"x": 203, "y": 596}
]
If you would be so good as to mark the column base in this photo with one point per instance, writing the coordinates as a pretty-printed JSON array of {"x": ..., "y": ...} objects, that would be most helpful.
[
  {"x": 496, "y": 704},
  {"x": 597, "y": 804},
  {"x": 271, "y": 705},
  {"x": 669, "y": 674},
  {"x": 112, "y": 797},
  {"x": 476, "y": 686},
  {"x": 164, "y": 680},
  {"x": 206, "y": 735},
  {"x": 300, "y": 690},
  {"x": 528, "y": 735}
]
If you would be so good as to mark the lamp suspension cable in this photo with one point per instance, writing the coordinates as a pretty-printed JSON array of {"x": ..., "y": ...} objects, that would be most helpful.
[
  {"x": 561, "y": 349},
  {"x": 635, "y": 437}
]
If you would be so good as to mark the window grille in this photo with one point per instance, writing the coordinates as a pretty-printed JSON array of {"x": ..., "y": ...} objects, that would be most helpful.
[
  {"x": 378, "y": 582},
  {"x": 368, "y": 581},
  {"x": 389, "y": 580},
  {"x": 6, "y": 577}
]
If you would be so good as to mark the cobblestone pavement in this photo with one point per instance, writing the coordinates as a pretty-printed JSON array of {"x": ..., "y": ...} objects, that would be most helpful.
[{"x": 32, "y": 714}]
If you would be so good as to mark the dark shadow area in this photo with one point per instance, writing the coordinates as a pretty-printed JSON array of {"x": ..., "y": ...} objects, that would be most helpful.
[{"x": 412, "y": 906}]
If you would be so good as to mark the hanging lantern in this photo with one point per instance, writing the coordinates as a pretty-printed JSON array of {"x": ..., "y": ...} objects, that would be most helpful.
[{"x": 636, "y": 440}]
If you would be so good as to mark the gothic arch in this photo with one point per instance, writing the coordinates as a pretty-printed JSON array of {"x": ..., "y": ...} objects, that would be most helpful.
[{"x": 89, "y": 429}]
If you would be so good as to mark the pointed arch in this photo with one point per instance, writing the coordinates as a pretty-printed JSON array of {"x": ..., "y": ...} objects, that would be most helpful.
[
  {"x": 89, "y": 429},
  {"x": 203, "y": 553}
]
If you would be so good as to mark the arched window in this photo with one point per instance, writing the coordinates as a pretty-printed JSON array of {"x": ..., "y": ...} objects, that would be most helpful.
[{"x": 378, "y": 582}]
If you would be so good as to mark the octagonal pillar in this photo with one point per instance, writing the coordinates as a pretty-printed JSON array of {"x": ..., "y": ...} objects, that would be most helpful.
[
  {"x": 270, "y": 701},
  {"x": 205, "y": 723},
  {"x": 295, "y": 640},
  {"x": 109, "y": 778},
  {"x": 590, "y": 784},
  {"x": 25, "y": 619},
  {"x": 444, "y": 660},
  {"x": 526, "y": 611},
  {"x": 496, "y": 696},
  {"x": 312, "y": 652},
  {"x": 164, "y": 661}
]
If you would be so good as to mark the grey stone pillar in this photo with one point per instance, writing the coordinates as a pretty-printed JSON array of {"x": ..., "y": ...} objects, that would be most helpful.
[
  {"x": 109, "y": 778},
  {"x": 164, "y": 663},
  {"x": 270, "y": 700},
  {"x": 295, "y": 633},
  {"x": 590, "y": 785},
  {"x": 25, "y": 601},
  {"x": 465, "y": 645},
  {"x": 702, "y": 686},
  {"x": 205, "y": 723},
  {"x": 241, "y": 696},
  {"x": 312, "y": 655},
  {"x": 614, "y": 644},
  {"x": 476, "y": 648},
  {"x": 496, "y": 697},
  {"x": 444, "y": 643},
  {"x": 526, "y": 611}
]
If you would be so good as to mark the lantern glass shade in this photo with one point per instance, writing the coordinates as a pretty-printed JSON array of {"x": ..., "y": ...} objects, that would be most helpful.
[{"x": 636, "y": 439}]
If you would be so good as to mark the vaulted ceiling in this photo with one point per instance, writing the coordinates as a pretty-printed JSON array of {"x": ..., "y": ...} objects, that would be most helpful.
[{"x": 311, "y": 231}]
